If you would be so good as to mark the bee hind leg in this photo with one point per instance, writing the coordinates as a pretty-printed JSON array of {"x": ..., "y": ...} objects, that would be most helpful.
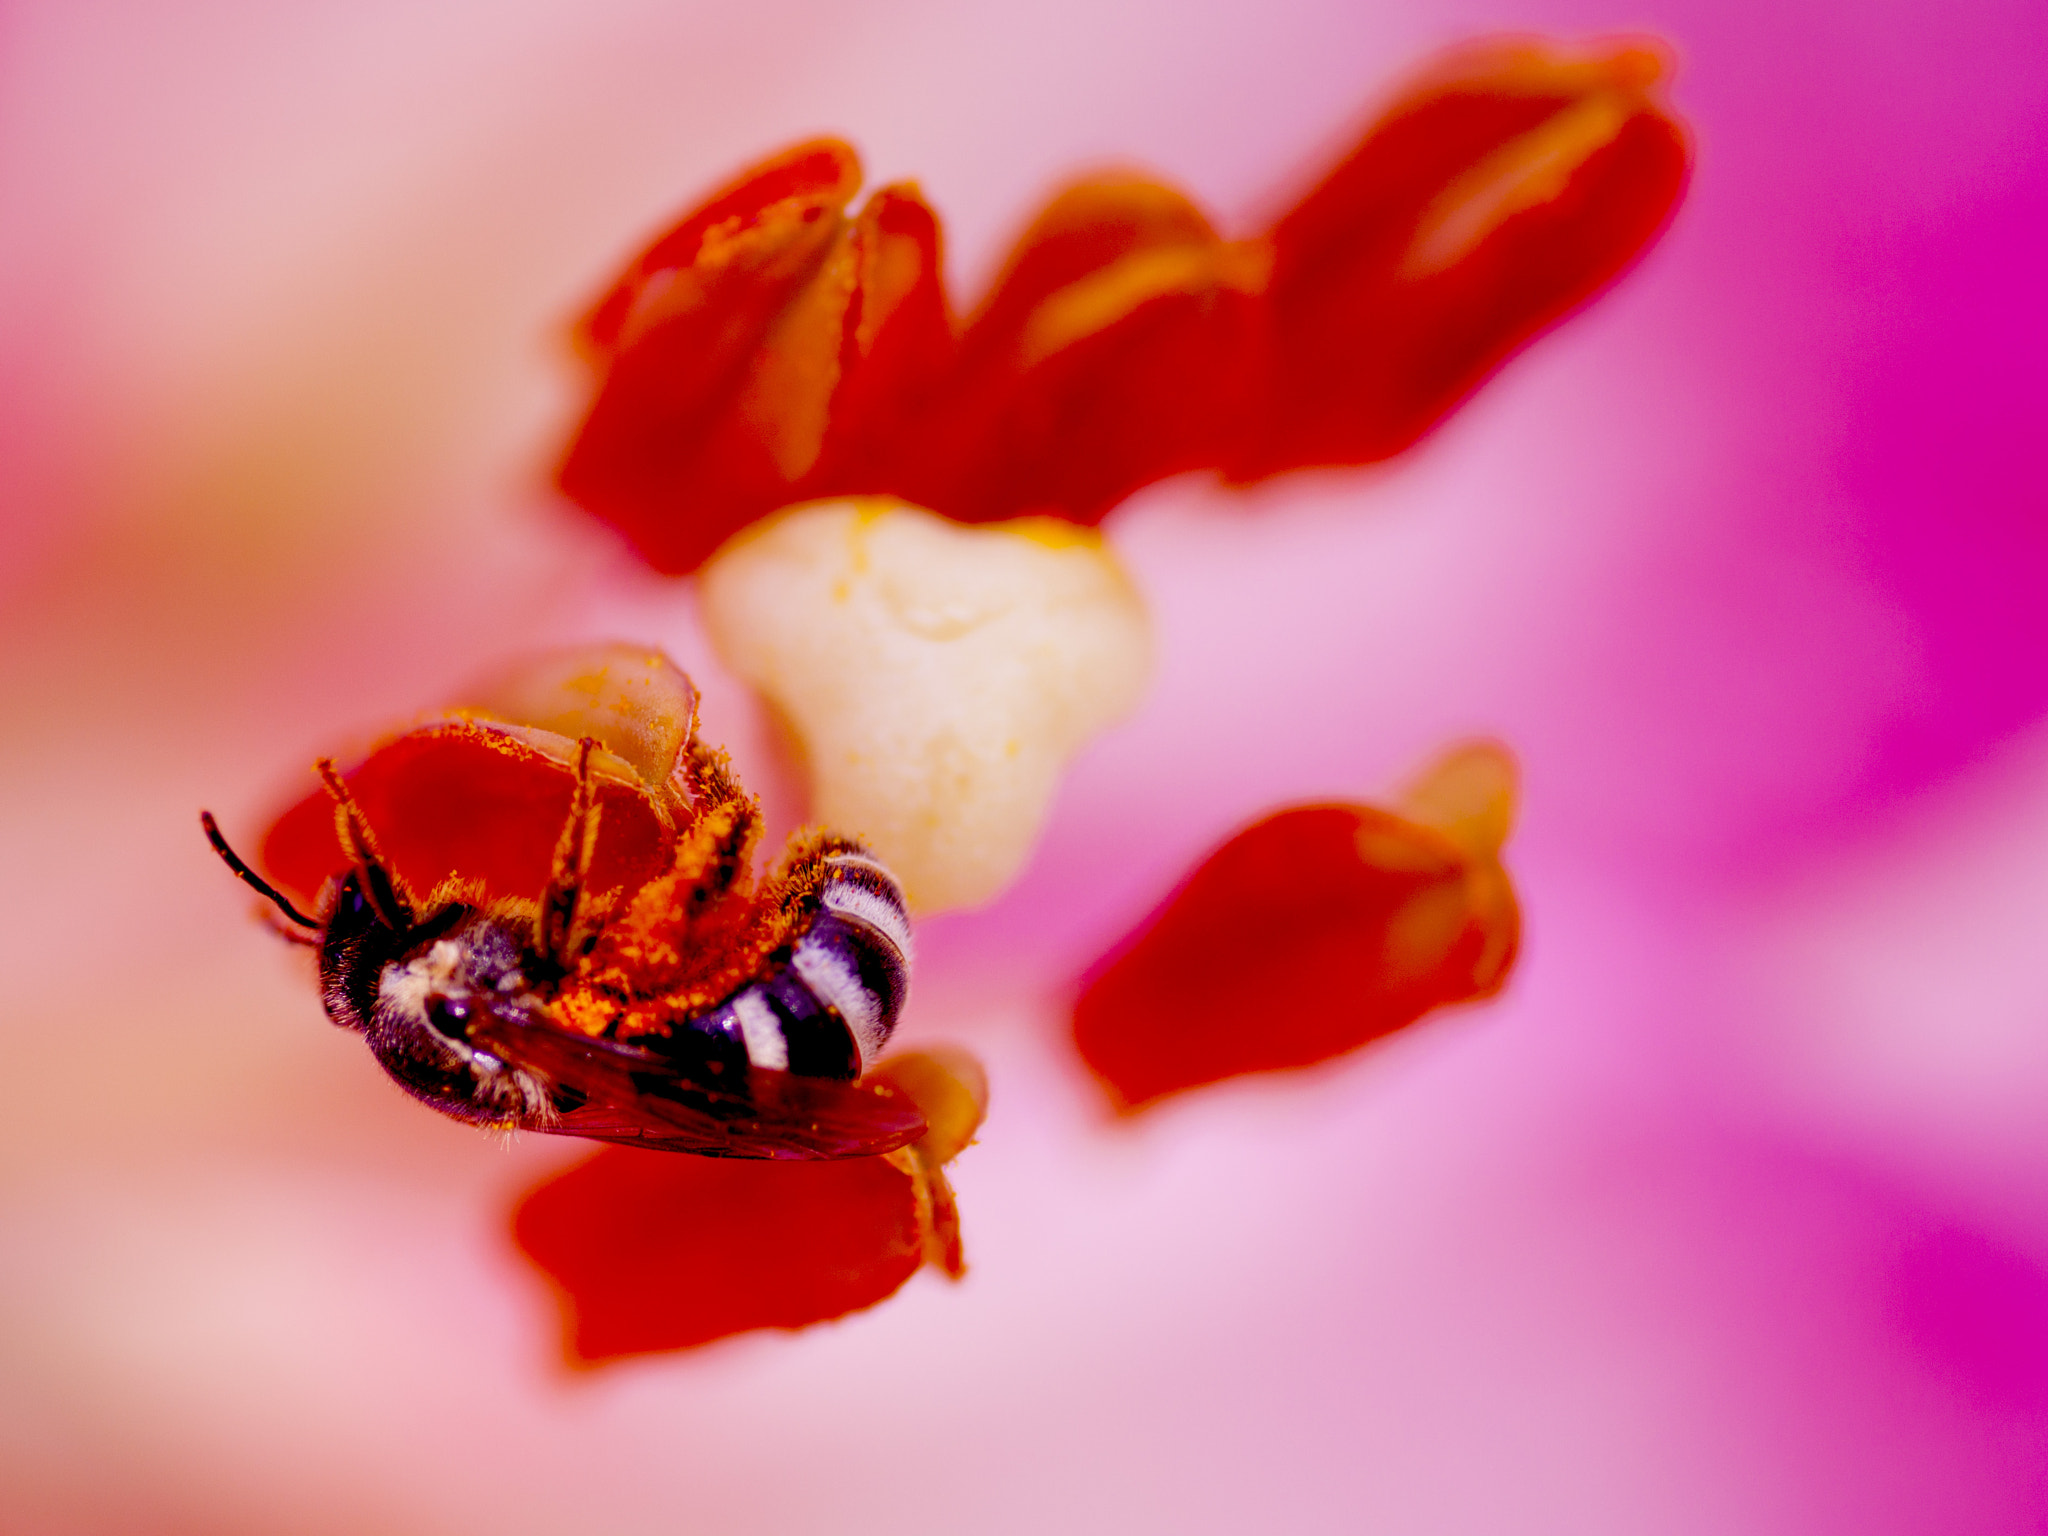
[
  {"x": 795, "y": 886},
  {"x": 719, "y": 847}
]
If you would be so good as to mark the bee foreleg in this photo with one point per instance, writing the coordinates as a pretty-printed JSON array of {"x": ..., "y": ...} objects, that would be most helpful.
[
  {"x": 559, "y": 926},
  {"x": 386, "y": 892}
]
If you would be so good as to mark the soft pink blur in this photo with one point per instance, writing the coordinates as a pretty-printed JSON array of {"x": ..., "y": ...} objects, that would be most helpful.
[{"x": 1731, "y": 1216}]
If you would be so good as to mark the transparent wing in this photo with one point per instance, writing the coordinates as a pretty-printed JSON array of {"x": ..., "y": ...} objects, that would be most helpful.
[{"x": 621, "y": 1093}]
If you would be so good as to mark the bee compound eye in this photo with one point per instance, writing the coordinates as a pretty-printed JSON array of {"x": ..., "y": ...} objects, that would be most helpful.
[{"x": 449, "y": 1016}]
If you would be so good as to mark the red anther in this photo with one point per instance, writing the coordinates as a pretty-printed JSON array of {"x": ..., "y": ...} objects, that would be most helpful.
[
  {"x": 483, "y": 791},
  {"x": 1506, "y": 187},
  {"x": 1087, "y": 226},
  {"x": 719, "y": 352},
  {"x": 896, "y": 345},
  {"x": 1306, "y": 935},
  {"x": 1123, "y": 343},
  {"x": 651, "y": 1252},
  {"x": 466, "y": 798},
  {"x": 755, "y": 222},
  {"x": 769, "y": 351}
]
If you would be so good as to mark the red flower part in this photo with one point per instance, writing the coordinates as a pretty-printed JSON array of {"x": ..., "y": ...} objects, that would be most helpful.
[
  {"x": 650, "y": 1253},
  {"x": 719, "y": 353},
  {"x": 1124, "y": 342},
  {"x": 759, "y": 332},
  {"x": 469, "y": 798},
  {"x": 483, "y": 792},
  {"x": 1307, "y": 935},
  {"x": 654, "y": 1253},
  {"x": 1507, "y": 186},
  {"x": 773, "y": 222},
  {"x": 896, "y": 342},
  {"x": 765, "y": 352}
]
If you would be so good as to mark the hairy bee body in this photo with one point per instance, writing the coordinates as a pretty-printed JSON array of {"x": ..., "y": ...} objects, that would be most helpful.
[
  {"x": 681, "y": 1004},
  {"x": 420, "y": 995}
]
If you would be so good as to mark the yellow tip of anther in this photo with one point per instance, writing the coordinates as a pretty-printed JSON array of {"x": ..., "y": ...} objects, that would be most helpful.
[{"x": 1469, "y": 795}]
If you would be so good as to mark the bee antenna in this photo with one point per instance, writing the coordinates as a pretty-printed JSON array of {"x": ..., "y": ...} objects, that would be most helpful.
[
  {"x": 249, "y": 877},
  {"x": 352, "y": 827}
]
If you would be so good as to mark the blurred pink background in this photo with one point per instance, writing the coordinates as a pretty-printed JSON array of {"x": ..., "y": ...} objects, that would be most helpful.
[{"x": 1731, "y": 1216}]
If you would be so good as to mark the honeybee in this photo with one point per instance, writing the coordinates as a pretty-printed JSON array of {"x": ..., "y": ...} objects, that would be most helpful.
[{"x": 687, "y": 1009}]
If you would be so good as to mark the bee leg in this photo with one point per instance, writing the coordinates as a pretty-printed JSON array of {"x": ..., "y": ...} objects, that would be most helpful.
[
  {"x": 720, "y": 846},
  {"x": 950, "y": 1089},
  {"x": 942, "y": 1246},
  {"x": 707, "y": 771},
  {"x": 938, "y": 1212},
  {"x": 559, "y": 932},
  {"x": 292, "y": 935},
  {"x": 386, "y": 892},
  {"x": 793, "y": 888}
]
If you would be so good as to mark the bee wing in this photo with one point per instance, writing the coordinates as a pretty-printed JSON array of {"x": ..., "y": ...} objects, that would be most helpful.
[{"x": 620, "y": 1093}]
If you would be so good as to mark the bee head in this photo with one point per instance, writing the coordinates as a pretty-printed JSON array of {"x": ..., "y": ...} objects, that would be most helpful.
[
  {"x": 410, "y": 977},
  {"x": 416, "y": 995}
]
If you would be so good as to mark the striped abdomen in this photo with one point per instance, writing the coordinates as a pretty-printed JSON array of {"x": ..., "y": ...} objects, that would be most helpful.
[{"x": 830, "y": 1009}]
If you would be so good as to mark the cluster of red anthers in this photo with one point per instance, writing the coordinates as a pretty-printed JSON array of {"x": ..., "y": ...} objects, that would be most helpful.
[{"x": 770, "y": 348}]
